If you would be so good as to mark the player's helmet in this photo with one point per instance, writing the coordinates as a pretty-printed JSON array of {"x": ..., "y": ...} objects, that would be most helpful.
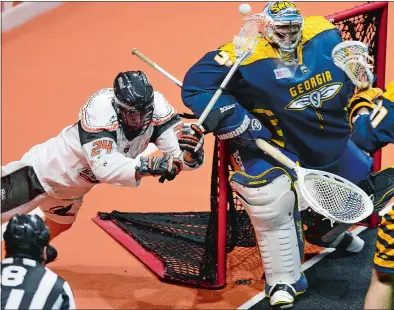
[
  {"x": 26, "y": 236},
  {"x": 133, "y": 102},
  {"x": 286, "y": 24}
]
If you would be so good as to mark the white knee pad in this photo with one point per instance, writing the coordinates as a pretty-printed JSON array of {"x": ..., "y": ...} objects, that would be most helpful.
[
  {"x": 61, "y": 211},
  {"x": 270, "y": 209}
]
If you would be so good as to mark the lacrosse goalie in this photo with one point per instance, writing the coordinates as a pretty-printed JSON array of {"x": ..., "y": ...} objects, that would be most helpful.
[
  {"x": 115, "y": 126},
  {"x": 288, "y": 92}
]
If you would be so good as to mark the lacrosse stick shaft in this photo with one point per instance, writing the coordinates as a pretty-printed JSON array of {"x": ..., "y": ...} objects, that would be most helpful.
[
  {"x": 275, "y": 153},
  {"x": 217, "y": 94},
  {"x": 145, "y": 59},
  {"x": 222, "y": 86}
]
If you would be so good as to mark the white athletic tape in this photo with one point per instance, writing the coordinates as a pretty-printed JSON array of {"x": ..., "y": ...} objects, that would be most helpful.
[{"x": 386, "y": 209}]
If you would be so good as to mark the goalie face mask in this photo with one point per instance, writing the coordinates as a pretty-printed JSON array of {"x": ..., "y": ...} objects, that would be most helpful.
[
  {"x": 285, "y": 25},
  {"x": 133, "y": 102}
]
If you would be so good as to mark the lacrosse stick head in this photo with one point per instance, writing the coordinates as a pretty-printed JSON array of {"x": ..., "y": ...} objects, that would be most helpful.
[
  {"x": 333, "y": 196},
  {"x": 283, "y": 25},
  {"x": 352, "y": 57},
  {"x": 249, "y": 35}
]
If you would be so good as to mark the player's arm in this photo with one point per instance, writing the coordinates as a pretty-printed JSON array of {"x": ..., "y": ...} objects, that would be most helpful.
[
  {"x": 372, "y": 119},
  {"x": 112, "y": 167},
  {"x": 98, "y": 138},
  {"x": 172, "y": 137},
  {"x": 203, "y": 80}
]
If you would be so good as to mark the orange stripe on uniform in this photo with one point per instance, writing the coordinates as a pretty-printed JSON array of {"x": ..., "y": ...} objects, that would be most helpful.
[{"x": 234, "y": 164}]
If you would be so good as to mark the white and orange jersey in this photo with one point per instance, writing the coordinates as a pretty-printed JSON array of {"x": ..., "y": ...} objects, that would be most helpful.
[{"x": 95, "y": 149}]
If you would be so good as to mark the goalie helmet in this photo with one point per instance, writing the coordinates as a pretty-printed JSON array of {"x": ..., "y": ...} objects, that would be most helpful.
[
  {"x": 285, "y": 25},
  {"x": 133, "y": 102},
  {"x": 26, "y": 236}
]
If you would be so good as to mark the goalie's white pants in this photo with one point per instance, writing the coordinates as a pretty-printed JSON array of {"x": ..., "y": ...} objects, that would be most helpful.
[{"x": 270, "y": 209}]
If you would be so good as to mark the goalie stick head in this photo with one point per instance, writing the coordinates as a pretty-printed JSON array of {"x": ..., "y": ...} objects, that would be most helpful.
[{"x": 133, "y": 102}]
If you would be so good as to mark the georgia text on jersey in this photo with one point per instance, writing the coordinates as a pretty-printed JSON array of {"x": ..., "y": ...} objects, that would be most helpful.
[{"x": 296, "y": 102}]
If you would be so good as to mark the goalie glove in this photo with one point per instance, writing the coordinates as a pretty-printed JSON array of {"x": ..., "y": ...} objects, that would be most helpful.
[
  {"x": 191, "y": 142},
  {"x": 168, "y": 167},
  {"x": 363, "y": 99}
]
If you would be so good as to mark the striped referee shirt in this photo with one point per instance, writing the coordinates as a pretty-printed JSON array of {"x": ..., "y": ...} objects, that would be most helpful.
[{"x": 27, "y": 284}]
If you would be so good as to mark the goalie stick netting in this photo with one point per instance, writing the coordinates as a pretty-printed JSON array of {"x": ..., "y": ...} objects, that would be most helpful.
[{"x": 192, "y": 247}]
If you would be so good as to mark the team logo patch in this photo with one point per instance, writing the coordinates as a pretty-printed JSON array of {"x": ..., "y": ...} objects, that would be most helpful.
[
  {"x": 88, "y": 175},
  {"x": 315, "y": 98},
  {"x": 256, "y": 125},
  {"x": 282, "y": 73},
  {"x": 61, "y": 210}
]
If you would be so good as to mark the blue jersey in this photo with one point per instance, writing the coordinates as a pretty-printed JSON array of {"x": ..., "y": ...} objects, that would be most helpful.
[
  {"x": 373, "y": 134},
  {"x": 302, "y": 105}
]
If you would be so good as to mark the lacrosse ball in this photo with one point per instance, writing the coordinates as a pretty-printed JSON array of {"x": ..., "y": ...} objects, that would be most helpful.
[{"x": 245, "y": 9}]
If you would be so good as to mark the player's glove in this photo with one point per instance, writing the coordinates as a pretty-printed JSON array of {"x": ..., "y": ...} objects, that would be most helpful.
[
  {"x": 191, "y": 142},
  {"x": 364, "y": 98},
  {"x": 167, "y": 167}
]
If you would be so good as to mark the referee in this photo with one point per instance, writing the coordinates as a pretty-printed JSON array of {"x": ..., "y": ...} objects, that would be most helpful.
[{"x": 25, "y": 282}]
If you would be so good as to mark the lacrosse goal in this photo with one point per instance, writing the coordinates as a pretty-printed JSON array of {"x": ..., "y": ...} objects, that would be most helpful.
[{"x": 191, "y": 248}]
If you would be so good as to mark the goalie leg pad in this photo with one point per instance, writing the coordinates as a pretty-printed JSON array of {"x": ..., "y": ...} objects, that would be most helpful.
[{"x": 271, "y": 210}]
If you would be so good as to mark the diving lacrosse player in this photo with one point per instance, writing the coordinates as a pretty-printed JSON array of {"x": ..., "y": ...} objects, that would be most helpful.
[
  {"x": 288, "y": 92},
  {"x": 115, "y": 126}
]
